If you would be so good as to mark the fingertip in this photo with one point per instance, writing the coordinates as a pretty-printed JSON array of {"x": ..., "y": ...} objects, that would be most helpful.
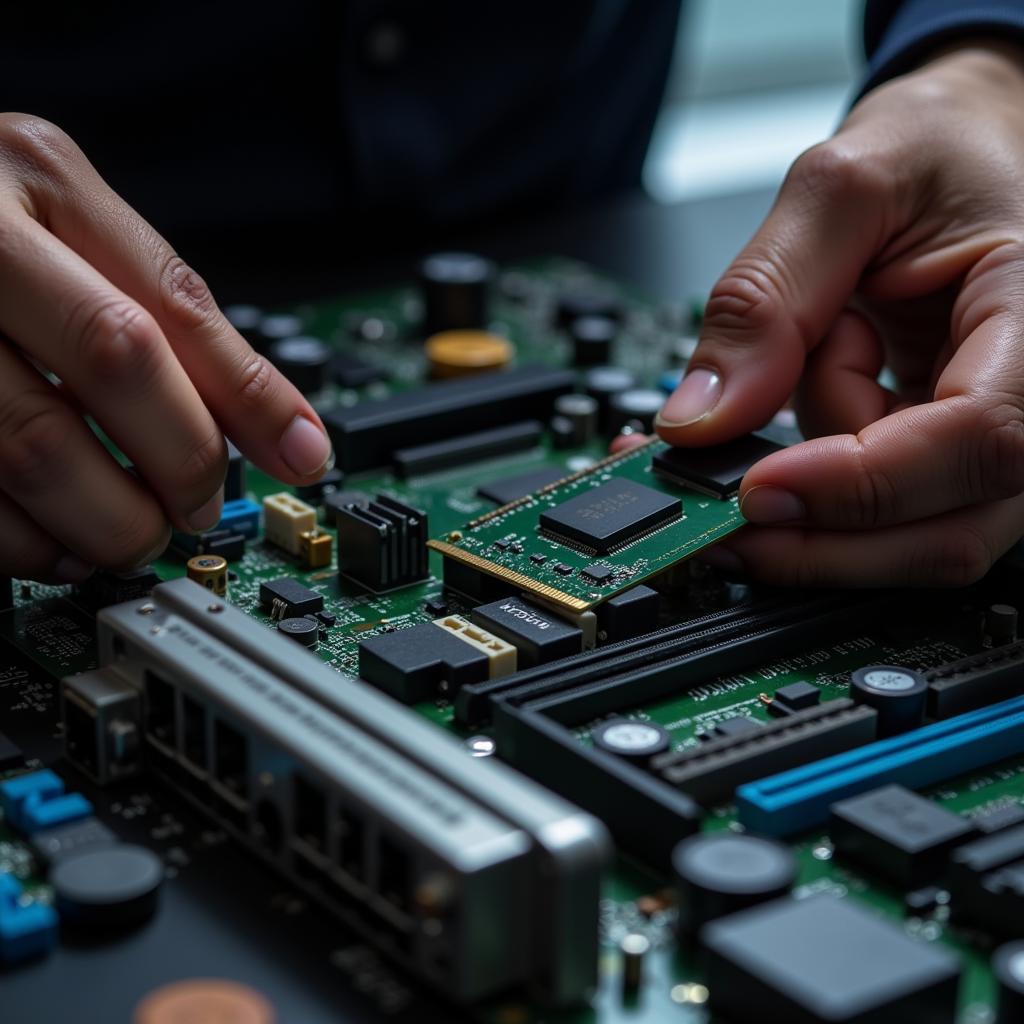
[{"x": 305, "y": 448}]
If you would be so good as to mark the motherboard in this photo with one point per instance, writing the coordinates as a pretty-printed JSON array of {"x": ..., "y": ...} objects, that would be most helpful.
[{"x": 467, "y": 731}]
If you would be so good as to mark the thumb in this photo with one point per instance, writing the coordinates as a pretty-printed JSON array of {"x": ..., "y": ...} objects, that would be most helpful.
[{"x": 781, "y": 294}]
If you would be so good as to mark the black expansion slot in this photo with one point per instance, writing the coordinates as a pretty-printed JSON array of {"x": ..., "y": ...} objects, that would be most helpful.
[
  {"x": 676, "y": 658},
  {"x": 458, "y": 451},
  {"x": 976, "y": 681},
  {"x": 366, "y": 434}
]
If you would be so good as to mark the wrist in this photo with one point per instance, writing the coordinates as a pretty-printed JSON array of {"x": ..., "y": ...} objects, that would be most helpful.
[{"x": 989, "y": 61}]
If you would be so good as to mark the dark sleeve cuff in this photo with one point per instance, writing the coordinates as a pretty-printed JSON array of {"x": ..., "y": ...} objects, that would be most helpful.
[{"x": 897, "y": 35}]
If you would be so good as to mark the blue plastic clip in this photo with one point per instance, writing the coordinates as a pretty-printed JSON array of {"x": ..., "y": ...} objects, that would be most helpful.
[
  {"x": 26, "y": 929},
  {"x": 37, "y": 800}
]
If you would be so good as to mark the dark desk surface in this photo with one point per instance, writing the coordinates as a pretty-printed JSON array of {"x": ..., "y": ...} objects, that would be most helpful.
[
  {"x": 669, "y": 252},
  {"x": 220, "y": 917}
]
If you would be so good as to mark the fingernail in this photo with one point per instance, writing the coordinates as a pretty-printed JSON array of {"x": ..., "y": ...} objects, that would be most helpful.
[
  {"x": 207, "y": 516},
  {"x": 305, "y": 448},
  {"x": 722, "y": 559},
  {"x": 71, "y": 569},
  {"x": 766, "y": 504},
  {"x": 698, "y": 394}
]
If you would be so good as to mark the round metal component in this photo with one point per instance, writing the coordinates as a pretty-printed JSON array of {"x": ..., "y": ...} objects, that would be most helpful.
[
  {"x": 636, "y": 741},
  {"x": 898, "y": 694},
  {"x": 464, "y": 352},
  {"x": 592, "y": 340},
  {"x": 1001, "y": 624},
  {"x": 1008, "y": 967},
  {"x": 303, "y": 360},
  {"x": 718, "y": 873},
  {"x": 107, "y": 885},
  {"x": 633, "y": 947},
  {"x": 204, "y": 1001},
  {"x": 638, "y": 405},
  {"x": 602, "y": 382},
  {"x": 581, "y": 411},
  {"x": 481, "y": 746},
  {"x": 456, "y": 291},
  {"x": 581, "y": 302},
  {"x": 210, "y": 571},
  {"x": 562, "y": 432},
  {"x": 299, "y": 628}
]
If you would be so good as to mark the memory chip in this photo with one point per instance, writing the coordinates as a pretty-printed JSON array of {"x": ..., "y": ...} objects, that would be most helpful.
[
  {"x": 604, "y": 518},
  {"x": 717, "y": 470}
]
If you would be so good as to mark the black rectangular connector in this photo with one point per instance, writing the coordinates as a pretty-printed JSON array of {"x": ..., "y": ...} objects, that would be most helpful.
[
  {"x": 411, "y": 664},
  {"x": 717, "y": 470},
  {"x": 366, "y": 434},
  {"x": 538, "y": 635},
  {"x": 234, "y": 482},
  {"x": 975, "y": 681},
  {"x": 458, "y": 451},
  {"x": 382, "y": 546},
  {"x": 711, "y": 773}
]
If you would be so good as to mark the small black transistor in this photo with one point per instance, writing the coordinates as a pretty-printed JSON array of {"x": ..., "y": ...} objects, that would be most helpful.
[
  {"x": 716, "y": 470},
  {"x": 285, "y": 598}
]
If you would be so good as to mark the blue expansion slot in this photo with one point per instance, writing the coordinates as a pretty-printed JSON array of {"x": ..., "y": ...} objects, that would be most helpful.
[{"x": 799, "y": 799}]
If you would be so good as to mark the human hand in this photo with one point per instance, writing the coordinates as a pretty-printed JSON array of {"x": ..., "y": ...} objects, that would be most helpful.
[
  {"x": 899, "y": 243},
  {"x": 90, "y": 292}
]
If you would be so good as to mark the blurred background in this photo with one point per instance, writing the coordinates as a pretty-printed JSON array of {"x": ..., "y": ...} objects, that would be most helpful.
[{"x": 753, "y": 84}]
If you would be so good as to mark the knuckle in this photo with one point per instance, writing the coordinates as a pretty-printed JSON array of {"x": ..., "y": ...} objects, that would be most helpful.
[
  {"x": 256, "y": 382},
  {"x": 962, "y": 556},
  {"x": 834, "y": 170},
  {"x": 205, "y": 464},
  {"x": 117, "y": 340},
  {"x": 33, "y": 439},
  {"x": 137, "y": 535},
  {"x": 747, "y": 298},
  {"x": 187, "y": 301},
  {"x": 996, "y": 469},
  {"x": 876, "y": 498},
  {"x": 37, "y": 145}
]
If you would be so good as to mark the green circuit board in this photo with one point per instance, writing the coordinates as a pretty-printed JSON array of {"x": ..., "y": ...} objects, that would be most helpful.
[{"x": 50, "y": 626}]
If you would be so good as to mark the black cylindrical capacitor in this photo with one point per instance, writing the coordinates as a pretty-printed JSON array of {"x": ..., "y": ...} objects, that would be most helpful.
[
  {"x": 107, "y": 885},
  {"x": 592, "y": 339},
  {"x": 638, "y": 405},
  {"x": 580, "y": 302},
  {"x": 632, "y": 739},
  {"x": 275, "y": 326},
  {"x": 456, "y": 291},
  {"x": 898, "y": 695},
  {"x": 1001, "y": 624},
  {"x": 246, "y": 320},
  {"x": 563, "y": 432},
  {"x": 300, "y": 628},
  {"x": 581, "y": 411},
  {"x": 718, "y": 873},
  {"x": 1008, "y": 967},
  {"x": 601, "y": 383},
  {"x": 303, "y": 360}
]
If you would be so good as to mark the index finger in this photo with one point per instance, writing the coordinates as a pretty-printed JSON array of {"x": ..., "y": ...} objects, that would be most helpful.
[{"x": 252, "y": 402}]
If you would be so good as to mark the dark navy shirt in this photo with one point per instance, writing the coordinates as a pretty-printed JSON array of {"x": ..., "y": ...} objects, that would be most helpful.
[{"x": 214, "y": 116}]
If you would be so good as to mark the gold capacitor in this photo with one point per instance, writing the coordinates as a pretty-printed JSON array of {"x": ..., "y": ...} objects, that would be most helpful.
[
  {"x": 315, "y": 548},
  {"x": 461, "y": 353},
  {"x": 211, "y": 571}
]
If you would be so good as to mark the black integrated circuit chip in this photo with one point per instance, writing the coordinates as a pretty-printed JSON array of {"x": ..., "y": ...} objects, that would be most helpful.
[
  {"x": 716, "y": 470},
  {"x": 824, "y": 959},
  {"x": 604, "y": 518}
]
